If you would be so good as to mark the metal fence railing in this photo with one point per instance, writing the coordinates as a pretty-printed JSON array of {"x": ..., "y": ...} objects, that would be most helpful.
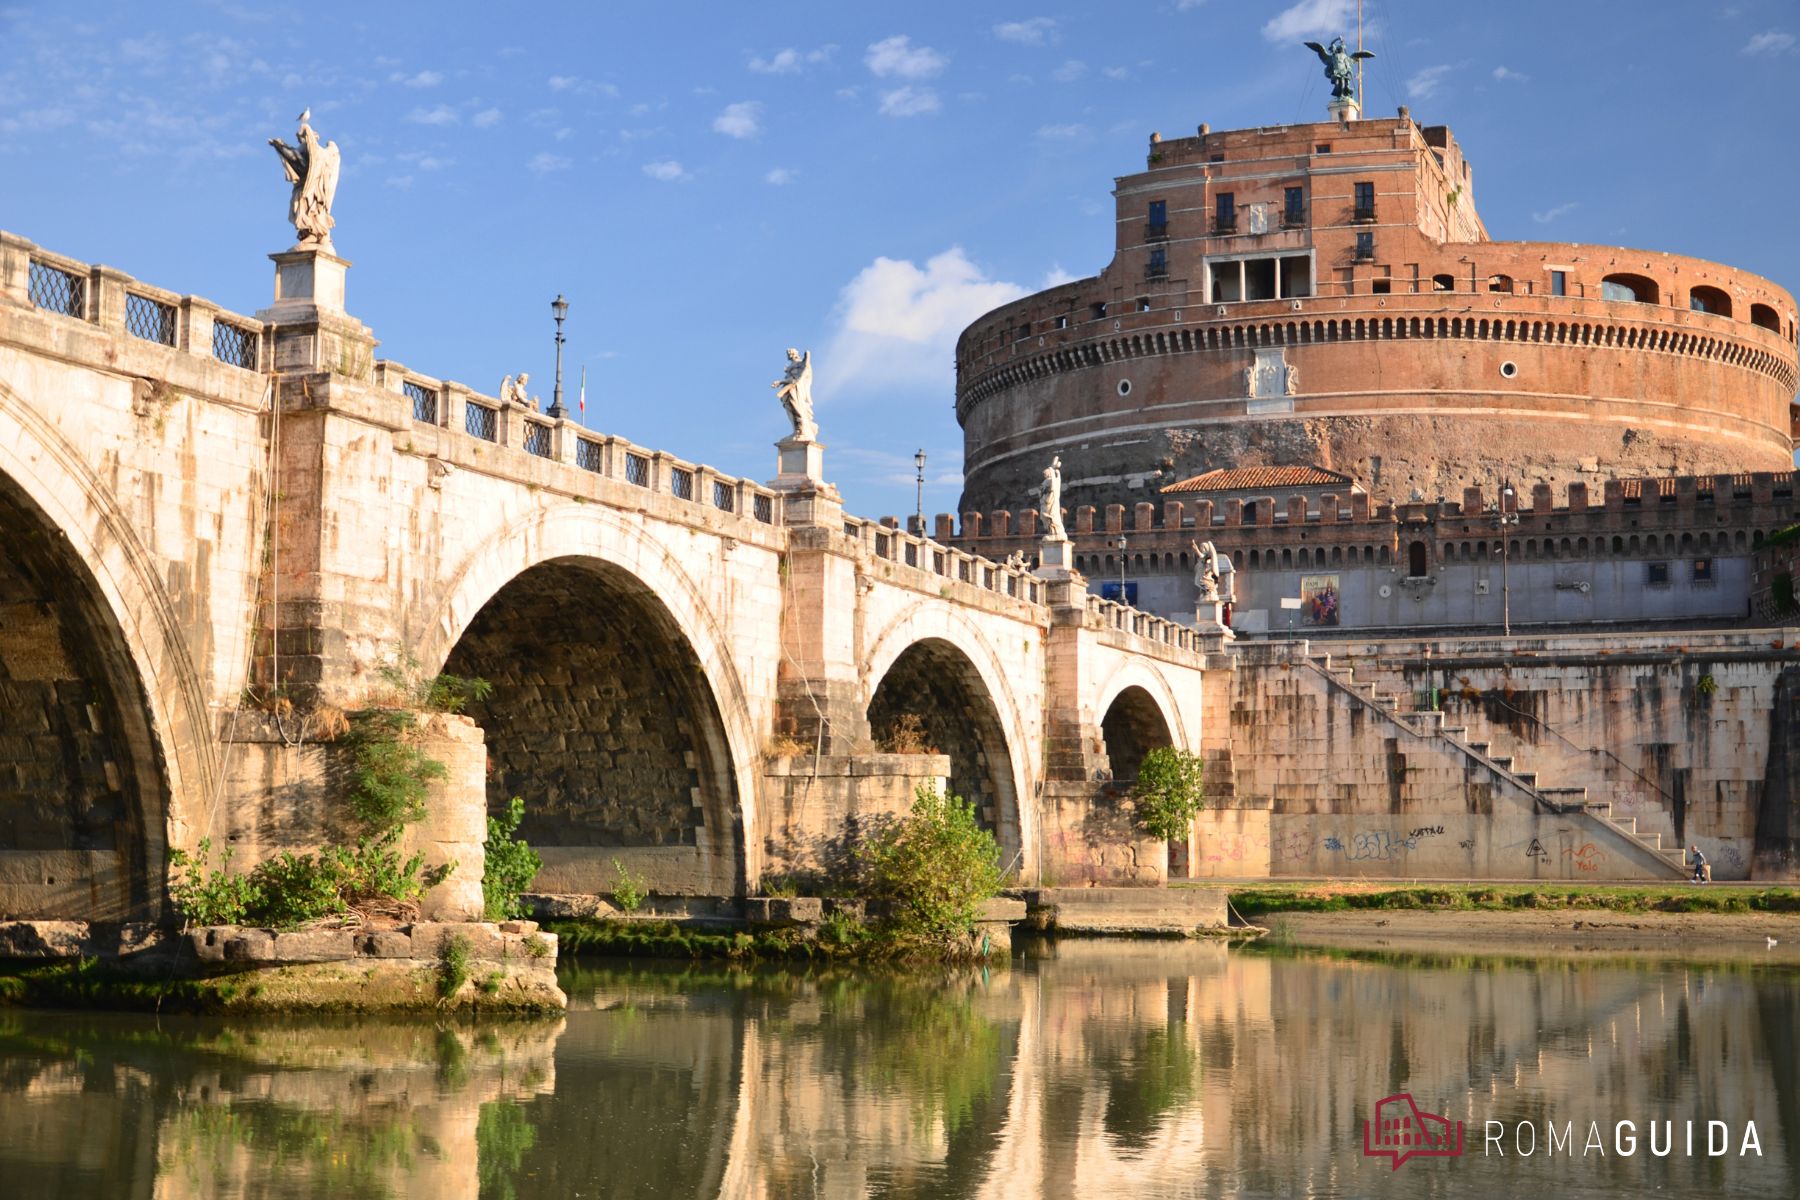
[
  {"x": 482, "y": 421},
  {"x": 424, "y": 402},
  {"x": 234, "y": 345},
  {"x": 56, "y": 290},
  {"x": 537, "y": 439},
  {"x": 149, "y": 319}
]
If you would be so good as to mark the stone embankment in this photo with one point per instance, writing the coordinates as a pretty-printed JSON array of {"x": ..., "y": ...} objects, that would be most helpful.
[{"x": 427, "y": 965}]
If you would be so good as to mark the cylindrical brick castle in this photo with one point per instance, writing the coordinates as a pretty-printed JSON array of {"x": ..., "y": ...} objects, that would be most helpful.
[{"x": 1325, "y": 295}]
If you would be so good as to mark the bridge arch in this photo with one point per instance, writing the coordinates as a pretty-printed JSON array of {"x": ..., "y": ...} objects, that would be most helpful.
[
  {"x": 1137, "y": 712},
  {"x": 934, "y": 662},
  {"x": 95, "y": 668},
  {"x": 618, "y": 711}
]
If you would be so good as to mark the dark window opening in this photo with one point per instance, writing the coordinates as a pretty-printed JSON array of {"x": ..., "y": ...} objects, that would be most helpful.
[
  {"x": 1365, "y": 247},
  {"x": 1630, "y": 289},
  {"x": 1559, "y": 283},
  {"x": 1443, "y": 283},
  {"x": 1225, "y": 213},
  {"x": 1293, "y": 210},
  {"x": 1418, "y": 561},
  {"x": 1322, "y": 148},
  {"x": 1099, "y": 309},
  {"x": 1709, "y": 300},
  {"x": 1764, "y": 316},
  {"x": 1500, "y": 283},
  {"x": 1365, "y": 202},
  {"x": 1656, "y": 574},
  {"x": 1381, "y": 287},
  {"x": 1703, "y": 571},
  {"x": 1159, "y": 219},
  {"x": 1143, "y": 304},
  {"x": 1158, "y": 266}
]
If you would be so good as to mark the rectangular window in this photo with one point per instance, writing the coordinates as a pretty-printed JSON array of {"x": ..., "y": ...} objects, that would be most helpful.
[
  {"x": 1365, "y": 202},
  {"x": 1158, "y": 265},
  {"x": 1656, "y": 574},
  {"x": 1099, "y": 309},
  {"x": 1143, "y": 304},
  {"x": 1225, "y": 212},
  {"x": 1703, "y": 570},
  {"x": 1023, "y": 333},
  {"x": 1365, "y": 247},
  {"x": 1559, "y": 283},
  {"x": 1322, "y": 148},
  {"x": 1381, "y": 287},
  {"x": 1062, "y": 322},
  {"x": 1293, "y": 210},
  {"x": 1158, "y": 225}
]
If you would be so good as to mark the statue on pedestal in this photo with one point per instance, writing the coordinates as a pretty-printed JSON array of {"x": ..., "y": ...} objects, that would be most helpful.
[
  {"x": 1340, "y": 66},
  {"x": 1051, "y": 502},
  {"x": 794, "y": 389},
  {"x": 312, "y": 167},
  {"x": 512, "y": 391},
  {"x": 1213, "y": 574}
]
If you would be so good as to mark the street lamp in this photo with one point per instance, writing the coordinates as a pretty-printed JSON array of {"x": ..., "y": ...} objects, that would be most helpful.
[
  {"x": 919, "y": 502},
  {"x": 1505, "y": 517},
  {"x": 560, "y": 309},
  {"x": 1122, "y": 569}
]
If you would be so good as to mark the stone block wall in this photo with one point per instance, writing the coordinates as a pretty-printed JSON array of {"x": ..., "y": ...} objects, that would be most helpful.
[{"x": 816, "y": 810}]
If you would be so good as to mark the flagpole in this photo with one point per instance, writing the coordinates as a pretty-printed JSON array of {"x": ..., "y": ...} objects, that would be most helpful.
[{"x": 582, "y": 402}]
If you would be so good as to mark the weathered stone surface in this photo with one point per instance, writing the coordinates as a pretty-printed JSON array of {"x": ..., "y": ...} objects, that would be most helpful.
[
  {"x": 315, "y": 945},
  {"x": 249, "y": 945},
  {"x": 43, "y": 939},
  {"x": 385, "y": 943}
]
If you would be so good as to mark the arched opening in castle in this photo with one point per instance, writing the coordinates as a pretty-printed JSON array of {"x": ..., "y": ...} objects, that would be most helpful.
[{"x": 1308, "y": 349}]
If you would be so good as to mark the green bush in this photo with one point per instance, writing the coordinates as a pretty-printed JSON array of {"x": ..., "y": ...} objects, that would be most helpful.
[
  {"x": 208, "y": 897},
  {"x": 453, "y": 966},
  {"x": 1169, "y": 791},
  {"x": 293, "y": 889},
  {"x": 392, "y": 774},
  {"x": 935, "y": 866},
  {"x": 511, "y": 865},
  {"x": 628, "y": 889}
]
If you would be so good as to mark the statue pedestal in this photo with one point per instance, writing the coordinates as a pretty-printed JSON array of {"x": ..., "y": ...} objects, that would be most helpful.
[
  {"x": 312, "y": 330},
  {"x": 807, "y": 498},
  {"x": 799, "y": 462},
  {"x": 1344, "y": 109},
  {"x": 1056, "y": 559}
]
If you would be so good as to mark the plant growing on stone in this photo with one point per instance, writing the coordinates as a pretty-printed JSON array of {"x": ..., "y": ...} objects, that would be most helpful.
[
  {"x": 206, "y": 896},
  {"x": 453, "y": 966},
  {"x": 1169, "y": 791},
  {"x": 628, "y": 889},
  {"x": 511, "y": 864},
  {"x": 908, "y": 735},
  {"x": 935, "y": 866},
  {"x": 392, "y": 775}
]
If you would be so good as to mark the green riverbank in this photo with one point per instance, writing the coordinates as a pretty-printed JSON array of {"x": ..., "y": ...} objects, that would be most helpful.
[{"x": 1323, "y": 896}]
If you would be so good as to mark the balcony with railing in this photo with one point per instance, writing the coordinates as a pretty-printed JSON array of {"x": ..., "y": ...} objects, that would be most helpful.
[
  {"x": 1156, "y": 231},
  {"x": 1362, "y": 214},
  {"x": 1225, "y": 224}
]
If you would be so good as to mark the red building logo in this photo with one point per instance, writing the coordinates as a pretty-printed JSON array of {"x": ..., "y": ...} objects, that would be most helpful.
[{"x": 1400, "y": 1131}]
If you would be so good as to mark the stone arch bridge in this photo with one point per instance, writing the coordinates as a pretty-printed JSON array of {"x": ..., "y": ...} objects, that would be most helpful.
[{"x": 217, "y": 528}]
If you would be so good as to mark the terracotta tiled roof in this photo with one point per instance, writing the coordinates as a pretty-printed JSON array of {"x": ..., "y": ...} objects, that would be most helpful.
[{"x": 1244, "y": 479}]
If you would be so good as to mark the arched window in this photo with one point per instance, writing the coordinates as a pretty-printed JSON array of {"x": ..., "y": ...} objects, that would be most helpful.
[
  {"x": 1500, "y": 283},
  {"x": 1287, "y": 557},
  {"x": 1382, "y": 557},
  {"x": 1635, "y": 288},
  {"x": 1443, "y": 283},
  {"x": 1418, "y": 561},
  {"x": 1763, "y": 315},
  {"x": 1255, "y": 559},
  {"x": 1709, "y": 300}
]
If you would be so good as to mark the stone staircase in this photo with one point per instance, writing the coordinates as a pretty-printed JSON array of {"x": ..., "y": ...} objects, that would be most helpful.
[{"x": 1560, "y": 800}]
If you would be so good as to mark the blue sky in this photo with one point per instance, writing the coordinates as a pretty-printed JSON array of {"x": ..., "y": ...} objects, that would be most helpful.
[{"x": 710, "y": 183}]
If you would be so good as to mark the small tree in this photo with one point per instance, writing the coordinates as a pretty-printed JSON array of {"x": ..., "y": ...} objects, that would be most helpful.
[
  {"x": 1169, "y": 790},
  {"x": 935, "y": 865},
  {"x": 511, "y": 865}
]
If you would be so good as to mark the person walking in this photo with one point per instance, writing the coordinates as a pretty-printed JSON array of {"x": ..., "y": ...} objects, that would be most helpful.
[{"x": 1702, "y": 868}]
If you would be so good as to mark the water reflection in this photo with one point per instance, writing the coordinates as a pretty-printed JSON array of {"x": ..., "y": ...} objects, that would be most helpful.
[{"x": 1089, "y": 1069}]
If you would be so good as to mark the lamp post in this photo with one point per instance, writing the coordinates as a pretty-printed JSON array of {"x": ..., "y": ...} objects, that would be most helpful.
[
  {"x": 560, "y": 309},
  {"x": 1505, "y": 517},
  {"x": 919, "y": 499},
  {"x": 1122, "y": 544}
]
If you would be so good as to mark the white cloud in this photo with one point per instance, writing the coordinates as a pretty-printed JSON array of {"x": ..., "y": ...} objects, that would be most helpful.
[
  {"x": 667, "y": 171},
  {"x": 740, "y": 120},
  {"x": 898, "y": 322},
  {"x": 423, "y": 79},
  {"x": 1772, "y": 42},
  {"x": 789, "y": 61},
  {"x": 1056, "y": 277},
  {"x": 1062, "y": 133},
  {"x": 425, "y": 161},
  {"x": 545, "y": 162},
  {"x": 398, "y": 182},
  {"x": 1033, "y": 31},
  {"x": 1117, "y": 72},
  {"x": 580, "y": 86},
  {"x": 1070, "y": 71},
  {"x": 1426, "y": 83},
  {"x": 898, "y": 58},
  {"x": 441, "y": 114},
  {"x": 487, "y": 118},
  {"x": 1311, "y": 19},
  {"x": 780, "y": 176},
  {"x": 1506, "y": 74},
  {"x": 1544, "y": 218},
  {"x": 1187, "y": 5},
  {"x": 909, "y": 102}
]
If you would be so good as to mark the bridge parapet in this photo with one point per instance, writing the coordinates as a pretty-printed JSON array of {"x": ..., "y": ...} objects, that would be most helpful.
[
  {"x": 886, "y": 541},
  {"x": 1136, "y": 623},
  {"x": 32, "y": 277}
]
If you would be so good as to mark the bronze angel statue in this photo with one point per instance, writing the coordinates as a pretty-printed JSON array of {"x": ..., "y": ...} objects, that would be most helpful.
[
  {"x": 312, "y": 167},
  {"x": 1340, "y": 66}
]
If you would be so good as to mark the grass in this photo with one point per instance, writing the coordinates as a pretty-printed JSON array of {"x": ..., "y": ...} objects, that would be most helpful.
[
  {"x": 1262, "y": 899},
  {"x": 837, "y": 942}
]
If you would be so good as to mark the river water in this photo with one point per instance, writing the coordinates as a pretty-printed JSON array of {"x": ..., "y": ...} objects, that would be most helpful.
[{"x": 1086, "y": 1069}]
